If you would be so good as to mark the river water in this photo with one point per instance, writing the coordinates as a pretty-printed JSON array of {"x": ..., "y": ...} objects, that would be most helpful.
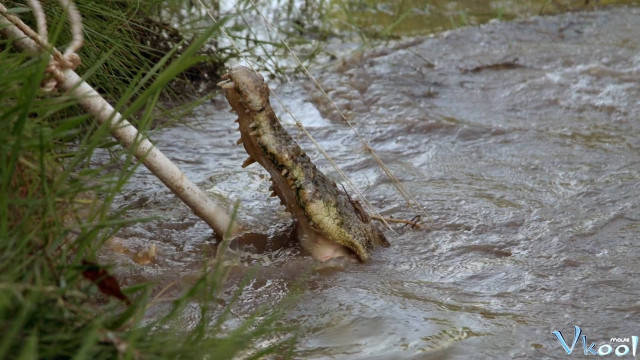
[{"x": 521, "y": 140}]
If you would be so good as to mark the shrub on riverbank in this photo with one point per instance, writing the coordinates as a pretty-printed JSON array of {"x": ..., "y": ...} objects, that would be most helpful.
[{"x": 55, "y": 213}]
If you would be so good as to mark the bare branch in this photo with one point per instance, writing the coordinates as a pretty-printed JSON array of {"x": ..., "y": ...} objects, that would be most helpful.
[{"x": 29, "y": 41}]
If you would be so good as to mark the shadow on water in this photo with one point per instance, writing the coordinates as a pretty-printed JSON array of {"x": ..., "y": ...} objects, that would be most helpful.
[{"x": 522, "y": 141}]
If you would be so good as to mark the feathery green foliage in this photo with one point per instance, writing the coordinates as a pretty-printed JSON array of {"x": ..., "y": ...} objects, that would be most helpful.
[{"x": 55, "y": 213}]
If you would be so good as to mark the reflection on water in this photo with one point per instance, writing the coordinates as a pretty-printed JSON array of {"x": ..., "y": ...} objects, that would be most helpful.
[
  {"x": 421, "y": 17},
  {"x": 530, "y": 175}
]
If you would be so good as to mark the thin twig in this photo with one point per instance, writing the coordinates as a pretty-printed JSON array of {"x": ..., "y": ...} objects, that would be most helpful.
[
  {"x": 414, "y": 224},
  {"x": 41, "y": 21},
  {"x": 76, "y": 26}
]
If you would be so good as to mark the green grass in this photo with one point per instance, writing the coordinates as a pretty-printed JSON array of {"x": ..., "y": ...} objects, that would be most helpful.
[{"x": 55, "y": 212}]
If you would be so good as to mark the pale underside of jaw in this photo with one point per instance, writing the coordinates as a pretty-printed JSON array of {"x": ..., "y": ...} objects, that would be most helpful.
[
  {"x": 321, "y": 248},
  {"x": 312, "y": 241}
]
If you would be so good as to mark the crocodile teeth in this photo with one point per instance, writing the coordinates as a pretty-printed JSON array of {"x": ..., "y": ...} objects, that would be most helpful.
[
  {"x": 248, "y": 162},
  {"x": 229, "y": 85},
  {"x": 226, "y": 76},
  {"x": 273, "y": 193},
  {"x": 254, "y": 124},
  {"x": 223, "y": 82},
  {"x": 284, "y": 172},
  {"x": 239, "y": 141},
  {"x": 254, "y": 133}
]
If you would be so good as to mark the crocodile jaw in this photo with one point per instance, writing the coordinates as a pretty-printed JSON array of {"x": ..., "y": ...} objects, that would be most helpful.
[
  {"x": 251, "y": 110},
  {"x": 330, "y": 224}
]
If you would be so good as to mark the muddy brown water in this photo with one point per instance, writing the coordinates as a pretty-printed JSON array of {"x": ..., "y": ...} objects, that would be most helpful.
[{"x": 522, "y": 142}]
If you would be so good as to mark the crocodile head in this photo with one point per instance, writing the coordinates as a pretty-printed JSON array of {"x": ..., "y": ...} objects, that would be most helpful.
[{"x": 330, "y": 224}]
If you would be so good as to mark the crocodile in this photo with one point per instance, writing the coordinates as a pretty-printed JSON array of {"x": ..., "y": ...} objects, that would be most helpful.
[{"x": 330, "y": 224}]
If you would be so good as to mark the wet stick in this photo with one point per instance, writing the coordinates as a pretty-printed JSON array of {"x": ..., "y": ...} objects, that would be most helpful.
[{"x": 91, "y": 101}]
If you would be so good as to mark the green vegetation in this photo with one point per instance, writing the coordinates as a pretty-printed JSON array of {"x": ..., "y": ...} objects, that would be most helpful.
[{"x": 55, "y": 211}]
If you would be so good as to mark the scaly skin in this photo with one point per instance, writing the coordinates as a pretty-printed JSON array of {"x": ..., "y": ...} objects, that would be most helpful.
[{"x": 329, "y": 222}]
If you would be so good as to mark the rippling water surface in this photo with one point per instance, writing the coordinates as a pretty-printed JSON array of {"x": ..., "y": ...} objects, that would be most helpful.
[{"x": 522, "y": 142}]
